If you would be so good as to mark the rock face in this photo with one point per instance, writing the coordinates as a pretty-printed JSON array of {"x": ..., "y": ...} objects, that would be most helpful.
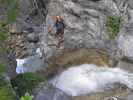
[
  {"x": 125, "y": 37},
  {"x": 125, "y": 40},
  {"x": 85, "y": 23}
]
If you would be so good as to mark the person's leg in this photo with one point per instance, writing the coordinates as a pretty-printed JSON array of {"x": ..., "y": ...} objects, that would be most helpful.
[{"x": 60, "y": 40}]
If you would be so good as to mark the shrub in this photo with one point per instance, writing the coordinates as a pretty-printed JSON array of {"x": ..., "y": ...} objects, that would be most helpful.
[
  {"x": 26, "y": 83},
  {"x": 113, "y": 26},
  {"x": 6, "y": 91},
  {"x": 26, "y": 97}
]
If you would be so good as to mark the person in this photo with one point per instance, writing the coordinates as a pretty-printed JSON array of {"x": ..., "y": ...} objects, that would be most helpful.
[{"x": 59, "y": 27}]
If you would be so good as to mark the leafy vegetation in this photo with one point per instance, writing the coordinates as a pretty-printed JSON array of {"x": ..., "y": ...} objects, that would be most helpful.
[
  {"x": 27, "y": 97},
  {"x": 26, "y": 82},
  {"x": 12, "y": 11},
  {"x": 113, "y": 26},
  {"x": 6, "y": 92}
]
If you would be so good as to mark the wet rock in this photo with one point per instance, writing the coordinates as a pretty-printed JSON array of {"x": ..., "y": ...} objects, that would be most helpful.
[
  {"x": 49, "y": 93},
  {"x": 115, "y": 94},
  {"x": 67, "y": 58},
  {"x": 126, "y": 65},
  {"x": 70, "y": 57}
]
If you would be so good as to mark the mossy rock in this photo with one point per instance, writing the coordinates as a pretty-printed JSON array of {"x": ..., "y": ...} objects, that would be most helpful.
[
  {"x": 26, "y": 83},
  {"x": 81, "y": 56},
  {"x": 6, "y": 91},
  {"x": 74, "y": 57}
]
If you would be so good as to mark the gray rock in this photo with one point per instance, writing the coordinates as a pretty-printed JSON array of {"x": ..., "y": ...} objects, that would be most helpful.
[
  {"x": 12, "y": 64},
  {"x": 129, "y": 97},
  {"x": 126, "y": 66},
  {"x": 49, "y": 93},
  {"x": 125, "y": 41},
  {"x": 33, "y": 37}
]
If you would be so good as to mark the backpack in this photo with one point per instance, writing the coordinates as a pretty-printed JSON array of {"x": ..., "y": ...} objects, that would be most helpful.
[{"x": 59, "y": 25}]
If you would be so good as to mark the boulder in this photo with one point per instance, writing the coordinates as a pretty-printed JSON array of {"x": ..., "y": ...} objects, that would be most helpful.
[
  {"x": 33, "y": 37},
  {"x": 126, "y": 65},
  {"x": 47, "y": 92}
]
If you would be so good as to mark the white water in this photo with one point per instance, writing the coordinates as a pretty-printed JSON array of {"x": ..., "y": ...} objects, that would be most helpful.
[
  {"x": 30, "y": 64},
  {"x": 89, "y": 78}
]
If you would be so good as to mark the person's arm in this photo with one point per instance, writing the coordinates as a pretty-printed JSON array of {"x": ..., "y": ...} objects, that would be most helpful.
[
  {"x": 49, "y": 24},
  {"x": 49, "y": 29}
]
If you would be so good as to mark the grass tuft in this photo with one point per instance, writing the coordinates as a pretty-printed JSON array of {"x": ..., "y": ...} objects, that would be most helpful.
[{"x": 113, "y": 26}]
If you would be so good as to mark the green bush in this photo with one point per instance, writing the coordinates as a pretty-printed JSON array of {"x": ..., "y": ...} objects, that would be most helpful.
[
  {"x": 26, "y": 97},
  {"x": 113, "y": 26},
  {"x": 6, "y": 91},
  {"x": 26, "y": 83}
]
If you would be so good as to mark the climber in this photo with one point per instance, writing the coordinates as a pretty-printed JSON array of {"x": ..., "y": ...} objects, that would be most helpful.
[{"x": 59, "y": 29}]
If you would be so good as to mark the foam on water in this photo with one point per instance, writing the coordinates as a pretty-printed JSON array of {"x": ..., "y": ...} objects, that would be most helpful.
[{"x": 89, "y": 78}]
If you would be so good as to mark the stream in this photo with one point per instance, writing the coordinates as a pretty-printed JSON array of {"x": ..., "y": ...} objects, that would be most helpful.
[
  {"x": 82, "y": 79},
  {"x": 89, "y": 78}
]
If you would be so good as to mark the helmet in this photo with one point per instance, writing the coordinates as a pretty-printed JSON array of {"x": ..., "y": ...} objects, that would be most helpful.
[{"x": 59, "y": 18}]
